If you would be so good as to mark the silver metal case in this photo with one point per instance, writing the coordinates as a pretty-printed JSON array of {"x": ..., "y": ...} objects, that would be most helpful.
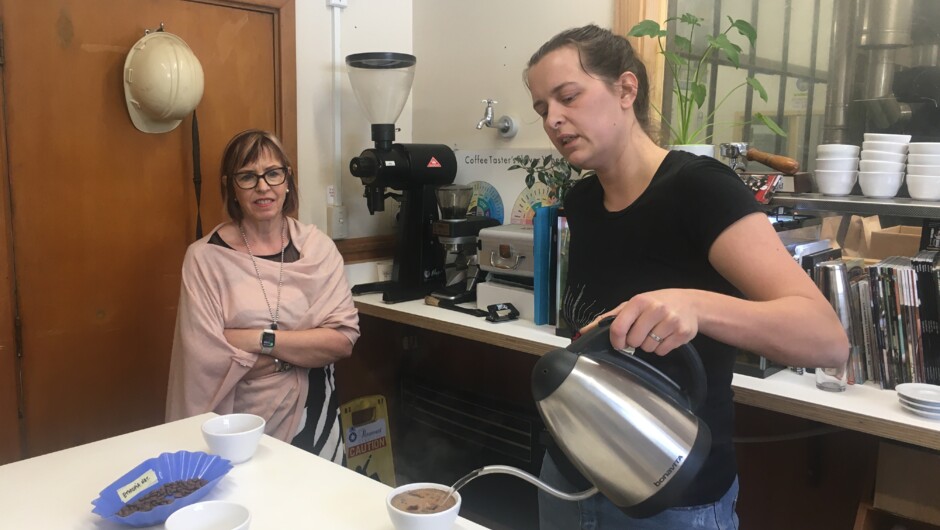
[{"x": 508, "y": 250}]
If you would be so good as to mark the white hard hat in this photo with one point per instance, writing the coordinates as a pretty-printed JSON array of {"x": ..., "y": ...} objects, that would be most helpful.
[{"x": 163, "y": 82}]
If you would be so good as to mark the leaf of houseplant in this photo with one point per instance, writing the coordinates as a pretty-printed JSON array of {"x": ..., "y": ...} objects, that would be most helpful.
[
  {"x": 771, "y": 124},
  {"x": 697, "y": 92},
  {"x": 755, "y": 84},
  {"x": 674, "y": 59},
  {"x": 682, "y": 44},
  {"x": 646, "y": 28},
  {"x": 690, "y": 19},
  {"x": 730, "y": 50},
  {"x": 744, "y": 28}
]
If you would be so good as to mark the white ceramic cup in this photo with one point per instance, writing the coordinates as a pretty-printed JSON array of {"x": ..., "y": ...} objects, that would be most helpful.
[
  {"x": 837, "y": 164},
  {"x": 836, "y": 183},
  {"x": 884, "y": 156},
  {"x": 923, "y": 170},
  {"x": 893, "y": 138},
  {"x": 837, "y": 151},
  {"x": 923, "y": 187},
  {"x": 234, "y": 437},
  {"x": 879, "y": 165},
  {"x": 880, "y": 185},
  {"x": 924, "y": 148},
  {"x": 210, "y": 515},
  {"x": 403, "y": 520},
  {"x": 890, "y": 147},
  {"x": 923, "y": 160}
]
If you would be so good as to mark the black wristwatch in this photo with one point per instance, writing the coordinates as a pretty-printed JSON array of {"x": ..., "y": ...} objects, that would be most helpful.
[{"x": 267, "y": 341}]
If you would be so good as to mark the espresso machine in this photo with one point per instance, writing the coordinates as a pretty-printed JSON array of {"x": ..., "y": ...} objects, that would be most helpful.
[
  {"x": 457, "y": 233},
  {"x": 382, "y": 82}
]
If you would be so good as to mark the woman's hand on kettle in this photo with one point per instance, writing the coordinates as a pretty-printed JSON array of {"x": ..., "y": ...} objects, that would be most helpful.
[{"x": 655, "y": 322}]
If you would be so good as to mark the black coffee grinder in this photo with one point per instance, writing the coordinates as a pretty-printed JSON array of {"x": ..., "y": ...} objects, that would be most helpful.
[
  {"x": 457, "y": 232},
  {"x": 381, "y": 82}
]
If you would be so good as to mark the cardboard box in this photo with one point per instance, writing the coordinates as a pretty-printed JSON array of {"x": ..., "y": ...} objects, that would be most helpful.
[
  {"x": 894, "y": 241},
  {"x": 907, "y": 482}
]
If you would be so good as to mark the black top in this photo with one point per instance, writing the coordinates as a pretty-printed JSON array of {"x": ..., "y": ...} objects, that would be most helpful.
[{"x": 662, "y": 241}]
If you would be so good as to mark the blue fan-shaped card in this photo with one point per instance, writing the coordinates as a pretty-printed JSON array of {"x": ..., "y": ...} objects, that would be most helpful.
[{"x": 170, "y": 473}]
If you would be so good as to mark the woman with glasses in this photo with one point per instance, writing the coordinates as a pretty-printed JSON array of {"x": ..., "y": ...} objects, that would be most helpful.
[{"x": 265, "y": 309}]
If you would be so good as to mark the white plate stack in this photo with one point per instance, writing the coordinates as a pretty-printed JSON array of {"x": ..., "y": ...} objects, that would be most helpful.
[
  {"x": 836, "y": 168},
  {"x": 920, "y": 399},
  {"x": 881, "y": 170},
  {"x": 923, "y": 171}
]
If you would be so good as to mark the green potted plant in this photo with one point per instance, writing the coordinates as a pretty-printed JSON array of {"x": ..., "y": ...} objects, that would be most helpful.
[
  {"x": 689, "y": 89},
  {"x": 553, "y": 171}
]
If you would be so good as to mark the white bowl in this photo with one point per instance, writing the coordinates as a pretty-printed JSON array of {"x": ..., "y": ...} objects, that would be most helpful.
[
  {"x": 880, "y": 185},
  {"x": 836, "y": 151},
  {"x": 894, "y": 138},
  {"x": 837, "y": 164},
  {"x": 924, "y": 170},
  {"x": 403, "y": 520},
  {"x": 234, "y": 437},
  {"x": 923, "y": 160},
  {"x": 836, "y": 183},
  {"x": 878, "y": 165},
  {"x": 884, "y": 156},
  {"x": 923, "y": 187},
  {"x": 210, "y": 515},
  {"x": 890, "y": 147},
  {"x": 925, "y": 148}
]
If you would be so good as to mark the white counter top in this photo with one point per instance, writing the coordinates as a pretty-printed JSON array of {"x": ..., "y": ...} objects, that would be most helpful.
[
  {"x": 284, "y": 487},
  {"x": 864, "y": 408}
]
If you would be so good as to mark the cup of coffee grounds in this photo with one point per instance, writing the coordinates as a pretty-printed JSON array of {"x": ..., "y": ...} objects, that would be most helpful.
[{"x": 419, "y": 506}]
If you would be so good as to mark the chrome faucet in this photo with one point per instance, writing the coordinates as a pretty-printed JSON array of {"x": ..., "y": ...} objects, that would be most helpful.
[
  {"x": 506, "y": 125},
  {"x": 487, "y": 114}
]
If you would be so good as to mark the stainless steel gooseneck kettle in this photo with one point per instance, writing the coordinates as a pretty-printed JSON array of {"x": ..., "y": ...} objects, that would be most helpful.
[{"x": 628, "y": 428}]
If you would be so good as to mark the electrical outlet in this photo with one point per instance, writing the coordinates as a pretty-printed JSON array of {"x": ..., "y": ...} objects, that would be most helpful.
[{"x": 336, "y": 224}]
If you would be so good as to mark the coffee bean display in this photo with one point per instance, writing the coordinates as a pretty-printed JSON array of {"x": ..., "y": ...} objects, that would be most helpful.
[{"x": 165, "y": 494}]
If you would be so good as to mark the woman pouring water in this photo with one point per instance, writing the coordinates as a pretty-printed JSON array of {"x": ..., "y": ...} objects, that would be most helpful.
[{"x": 677, "y": 249}]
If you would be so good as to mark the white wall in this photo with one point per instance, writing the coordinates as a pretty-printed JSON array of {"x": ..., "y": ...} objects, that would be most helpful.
[
  {"x": 466, "y": 51},
  {"x": 470, "y": 51},
  {"x": 366, "y": 26}
]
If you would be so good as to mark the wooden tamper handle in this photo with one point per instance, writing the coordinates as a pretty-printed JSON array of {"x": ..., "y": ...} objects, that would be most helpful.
[{"x": 783, "y": 164}]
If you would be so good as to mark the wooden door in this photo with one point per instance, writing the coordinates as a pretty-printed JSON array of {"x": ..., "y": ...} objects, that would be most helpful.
[{"x": 101, "y": 213}]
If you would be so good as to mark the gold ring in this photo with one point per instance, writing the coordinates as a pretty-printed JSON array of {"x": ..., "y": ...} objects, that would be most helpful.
[{"x": 655, "y": 337}]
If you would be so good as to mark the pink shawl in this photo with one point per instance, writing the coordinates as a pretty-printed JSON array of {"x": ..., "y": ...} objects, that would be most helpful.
[{"x": 220, "y": 290}]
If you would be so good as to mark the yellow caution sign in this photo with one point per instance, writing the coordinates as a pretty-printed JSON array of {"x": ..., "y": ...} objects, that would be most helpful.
[{"x": 368, "y": 442}]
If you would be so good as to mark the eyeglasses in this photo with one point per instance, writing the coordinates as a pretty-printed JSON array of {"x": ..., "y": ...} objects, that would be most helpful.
[{"x": 249, "y": 181}]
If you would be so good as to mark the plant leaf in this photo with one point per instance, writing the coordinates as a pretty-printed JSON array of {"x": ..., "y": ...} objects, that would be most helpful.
[
  {"x": 690, "y": 19},
  {"x": 771, "y": 124},
  {"x": 682, "y": 43},
  {"x": 645, "y": 28},
  {"x": 529, "y": 180},
  {"x": 697, "y": 92},
  {"x": 515, "y": 166},
  {"x": 759, "y": 88},
  {"x": 744, "y": 28},
  {"x": 722, "y": 43},
  {"x": 674, "y": 59}
]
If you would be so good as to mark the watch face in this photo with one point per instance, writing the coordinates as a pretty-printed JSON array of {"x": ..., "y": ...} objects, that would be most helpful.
[{"x": 267, "y": 339}]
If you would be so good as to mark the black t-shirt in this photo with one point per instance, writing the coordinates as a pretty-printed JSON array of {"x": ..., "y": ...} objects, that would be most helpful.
[{"x": 662, "y": 241}]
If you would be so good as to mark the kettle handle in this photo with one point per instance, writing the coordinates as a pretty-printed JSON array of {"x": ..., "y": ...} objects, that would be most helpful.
[{"x": 596, "y": 343}]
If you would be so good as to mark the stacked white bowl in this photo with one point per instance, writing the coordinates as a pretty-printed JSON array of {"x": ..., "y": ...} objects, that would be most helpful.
[
  {"x": 881, "y": 170},
  {"x": 836, "y": 168},
  {"x": 923, "y": 171}
]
